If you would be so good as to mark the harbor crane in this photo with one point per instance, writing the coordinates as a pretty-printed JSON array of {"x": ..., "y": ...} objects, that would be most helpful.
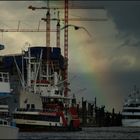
[{"x": 66, "y": 20}]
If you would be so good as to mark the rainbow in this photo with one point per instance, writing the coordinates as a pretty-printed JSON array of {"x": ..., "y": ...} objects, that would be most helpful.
[{"x": 91, "y": 62}]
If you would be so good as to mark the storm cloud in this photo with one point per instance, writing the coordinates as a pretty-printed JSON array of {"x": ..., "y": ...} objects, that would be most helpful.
[{"x": 125, "y": 15}]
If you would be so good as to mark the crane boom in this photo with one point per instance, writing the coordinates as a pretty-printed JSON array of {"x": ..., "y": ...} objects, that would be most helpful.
[
  {"x": 52, "y": 30},
  {"x": 25, "y": 30},
  {"x": 70, "y": 7}
]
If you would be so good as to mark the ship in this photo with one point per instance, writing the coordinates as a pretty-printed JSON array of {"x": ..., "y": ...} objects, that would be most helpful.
[
  {"x": 8, "y": 129},
  {"x": 42, "y": 104},
  {"x": 131, "y": 110},
  {"x": 40, "y": 82}
]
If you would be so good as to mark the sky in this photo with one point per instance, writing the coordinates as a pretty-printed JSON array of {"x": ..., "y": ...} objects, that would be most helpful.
[{"x": 103, "y": 55}]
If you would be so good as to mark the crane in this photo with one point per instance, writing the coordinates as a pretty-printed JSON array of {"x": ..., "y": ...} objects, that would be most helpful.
[
  {"x": 66, "y": 19},
  {"x": 66, "y": 25}
]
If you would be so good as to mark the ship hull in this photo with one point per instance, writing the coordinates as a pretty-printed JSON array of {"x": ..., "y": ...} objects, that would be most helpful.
[
  {"x": 40, "y": 128},
  {"x": 131, "y": 122}
]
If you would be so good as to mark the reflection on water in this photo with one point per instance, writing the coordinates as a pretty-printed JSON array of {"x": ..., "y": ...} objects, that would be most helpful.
[{"x": 87, "y": 133}]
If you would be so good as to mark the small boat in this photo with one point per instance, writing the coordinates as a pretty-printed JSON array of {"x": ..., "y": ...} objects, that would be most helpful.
[
  {"x": 131, "y": 110},
  {"x": 8, "y": 130}
]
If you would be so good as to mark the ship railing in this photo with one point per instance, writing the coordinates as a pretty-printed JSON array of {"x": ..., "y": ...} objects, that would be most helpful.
[
  {"x": 36, "y": 110},
  {"x": 26, "y": 109},
  {"x": 132, "y": 105},
  {"x": 4, "y": 77},
  {"x": 50, "y": 110},
  {"x": 4, "y": 122}
]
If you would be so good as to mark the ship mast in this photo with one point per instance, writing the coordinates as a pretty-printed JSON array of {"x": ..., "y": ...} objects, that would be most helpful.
[
  {"x": 66, "y": 49},
  {"x": 58, "y": 32},
  {"x": 29, "y": 69},
  {"x": 48, "y": 26}
]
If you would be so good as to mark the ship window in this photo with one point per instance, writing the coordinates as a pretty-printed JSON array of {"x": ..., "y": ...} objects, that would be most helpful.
[
  {"x": 61, "y": 93},
  {"x": 5, "y": 76},
  {"x": 56, "y": 92},
  {"x": 38, "y": 117},
  {"x": 32, "y": 66},
  {"x": 0, "y": 78},
  {"x": 32, "y": 106},
  {"x": 131, "y": 110},
  {"x": 1, "y": 122},
  {"x": 28, "y": 106},
  {"x": 15, "y": 116},
  {"x": 131, "y": 117},
  {"x": 5, "y": 80},
  {"x": 5, "y": 122}
]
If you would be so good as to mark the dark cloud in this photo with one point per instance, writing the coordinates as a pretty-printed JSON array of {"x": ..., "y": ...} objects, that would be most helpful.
[
  {"x": 130, "y": 43},
  {"x": 127, "y": 19},
  {"x": 127, "y": 79},
  {"x": 126, "y": 16}
]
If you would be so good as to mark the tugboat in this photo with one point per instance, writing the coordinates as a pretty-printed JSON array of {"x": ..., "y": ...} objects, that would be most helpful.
[
  {"x": 42, "y": 72},
  {"x": 42, "y": 104},
  {"x": 131, "y": 110}
]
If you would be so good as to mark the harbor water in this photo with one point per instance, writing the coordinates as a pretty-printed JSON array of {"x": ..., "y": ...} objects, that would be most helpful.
[{"x": 87, "y": 133}]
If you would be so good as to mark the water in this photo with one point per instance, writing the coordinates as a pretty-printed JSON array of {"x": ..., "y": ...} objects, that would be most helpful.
[{"x": 87, "y": 133}]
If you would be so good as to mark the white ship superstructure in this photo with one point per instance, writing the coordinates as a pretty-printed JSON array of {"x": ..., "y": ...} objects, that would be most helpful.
[
  {"x": 4, "y": 84},
  {"x": 131, "y": 110},
  {"x": 7, "y": 128}
]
